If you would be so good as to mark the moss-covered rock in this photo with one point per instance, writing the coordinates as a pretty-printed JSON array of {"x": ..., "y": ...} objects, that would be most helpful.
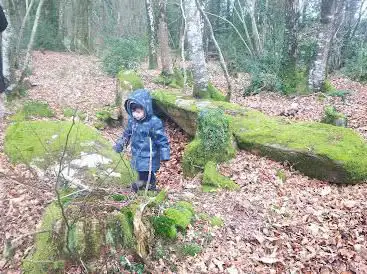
[
  {"x": 42, "y": 143},
  {"x": 321, "y": 151},
  {"x": 213, "y": 178},
  {"x": 333, "y": 117},
  {"x": 174, "y": 80}
]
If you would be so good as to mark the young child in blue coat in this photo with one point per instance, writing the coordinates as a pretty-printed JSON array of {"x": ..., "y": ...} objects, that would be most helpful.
[{"x": 145, "y": 132}]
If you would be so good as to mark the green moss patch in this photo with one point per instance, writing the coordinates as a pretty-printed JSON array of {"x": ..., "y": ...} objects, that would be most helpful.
[
  {"x": 181, "y": 216},
  {"x": 213, "y": 178},
  {"x": 164, "y": 227},
  {"x": 216, "y": 221},
  {"x": 129, "y": 80},
  {"x": 42, "y": 143}
]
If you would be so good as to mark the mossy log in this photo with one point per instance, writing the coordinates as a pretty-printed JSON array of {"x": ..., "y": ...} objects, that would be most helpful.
[{"x": 318, "y": 150}]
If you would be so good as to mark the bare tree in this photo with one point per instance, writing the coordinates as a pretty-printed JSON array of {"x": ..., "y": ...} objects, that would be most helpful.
[
  {"x": 163, "y": 39},
  {"x": 317, "y": 75},
  {"x": 20, "y": 35},
  {"x": 196, "y": 49},
  {"x": 221, "y": 58},
  {"x": 31, "y": 41},
  {"x": 151, "y": 35}
]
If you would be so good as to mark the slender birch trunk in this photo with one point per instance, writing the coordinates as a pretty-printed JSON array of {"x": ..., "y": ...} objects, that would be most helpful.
[
  {"x": 153, "y": 63},
  {"x": 21, "y": 31},
  {"x": 31, "y": 41},
  {"x": 318, "y": 70},
  {"x": 196, "y": 50}
]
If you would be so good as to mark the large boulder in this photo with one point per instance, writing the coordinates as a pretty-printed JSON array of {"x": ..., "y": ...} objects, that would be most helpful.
[
  {"x": 318, "y": 150},
  {"x": 85, "y": 156}
]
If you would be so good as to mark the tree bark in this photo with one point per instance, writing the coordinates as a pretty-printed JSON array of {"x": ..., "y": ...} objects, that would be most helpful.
[
  {"x": 167, "y": 68},
  {"x": 318, "y": 70},
  {"x": 20, "y": 35},
  {"x": 31, "y": 41},
  {"x": 289, "y": 59},
  {"x": 153, "y": 63},
  {"x": 196, "y": 49}
]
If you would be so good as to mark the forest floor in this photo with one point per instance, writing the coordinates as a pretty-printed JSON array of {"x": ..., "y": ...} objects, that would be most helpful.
[{"x": 273, "y": 224}]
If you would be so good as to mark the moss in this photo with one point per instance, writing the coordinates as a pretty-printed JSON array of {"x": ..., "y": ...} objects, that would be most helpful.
[
  {"x": 129, "y": 80},
  {"x": 213, "y": 178},
  {"x": 216, "y": 221},
  {"x": 180, "y": 216},
  {"x": 68, "y": 112},
  {"x": 45, "y": 259},
  {"x": 26, "y": 142},
  {"x": 33, "y": 109},
  {"x": 185, "y": 205},
  {"x": 164, "y": 227},
  {"x": 195, "y": 157},
  {"x": 328, "y": 87},
  {"x": 160, "y": 198},
  {"x": 121, "y": 226},
  {"x": 216, "y": 94}
]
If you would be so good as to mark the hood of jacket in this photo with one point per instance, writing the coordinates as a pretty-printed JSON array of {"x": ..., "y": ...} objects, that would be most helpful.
[{"x": 141, "y": 97}]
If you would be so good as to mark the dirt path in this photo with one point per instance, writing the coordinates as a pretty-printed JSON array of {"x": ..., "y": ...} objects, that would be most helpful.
[{"x": 278, "y": 222}]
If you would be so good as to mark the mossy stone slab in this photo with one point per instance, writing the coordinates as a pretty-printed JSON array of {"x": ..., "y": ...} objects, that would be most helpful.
[{"x": 318, "y": 150}]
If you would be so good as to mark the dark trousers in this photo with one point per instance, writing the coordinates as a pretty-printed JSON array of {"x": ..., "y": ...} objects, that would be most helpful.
[{"x": 142, "y": 181}]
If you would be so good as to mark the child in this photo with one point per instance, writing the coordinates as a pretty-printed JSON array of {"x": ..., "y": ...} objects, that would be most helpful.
[{"x": 149, "y": 144}]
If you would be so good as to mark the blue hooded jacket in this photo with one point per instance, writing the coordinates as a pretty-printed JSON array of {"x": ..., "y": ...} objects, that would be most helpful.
[{"x": 139, "y": 132}]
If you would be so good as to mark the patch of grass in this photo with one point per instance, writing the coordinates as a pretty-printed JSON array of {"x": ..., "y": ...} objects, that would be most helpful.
[
  {"x": 216, "y": 221},
  {"x": 191, "y": 249},
  {"x": 33, "y": 109}
]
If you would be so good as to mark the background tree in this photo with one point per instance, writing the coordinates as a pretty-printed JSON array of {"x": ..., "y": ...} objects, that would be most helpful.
[
  {"x": 318, "y": 71},
  {"x": 153, "y": 63},
  {"x": 165, "y": 50},
  {"x": 196, "y": 49}
]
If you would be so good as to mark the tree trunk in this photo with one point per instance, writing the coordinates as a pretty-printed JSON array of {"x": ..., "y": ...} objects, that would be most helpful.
[
  {"x": 20, "y": 35},
  {"x": 196, "y": 50},
  {"x": 31, "y": 41},
  {"x": 8, "y": 43},
  {"x": 289, "y": 61},
  {"x": 318, "y": 70},
  {"x": 153, "y": 63},
  {"x": 163, "y": 39}
]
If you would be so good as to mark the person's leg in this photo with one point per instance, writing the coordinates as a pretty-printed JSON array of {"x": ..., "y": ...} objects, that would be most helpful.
[{"x": 143, "y": 177}]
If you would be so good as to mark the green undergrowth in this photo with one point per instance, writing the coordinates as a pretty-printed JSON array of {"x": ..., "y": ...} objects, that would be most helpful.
[
  {"x": 33, "y": 109},
  {"x": 129, "y": 80},
  {"x": 175, "y": 80},
  {"x": 71, "y": 112},
  {"x": 333, "y": 117}
]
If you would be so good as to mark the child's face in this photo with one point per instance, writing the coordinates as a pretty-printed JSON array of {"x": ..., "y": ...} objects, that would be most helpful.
[{"x": 138, "y": 113}]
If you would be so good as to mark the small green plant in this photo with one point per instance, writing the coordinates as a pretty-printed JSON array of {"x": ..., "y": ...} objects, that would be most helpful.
[
  {"x": 181, "y": 216},
  {"x": 33, "y": 109},
  {"x": 216, "y": 221},
  {"x": 340, "y": 93},
  {"x": 123, "y": 53},
  {"x": 333, "y": 117},
  {"x": 281, "y": 175},
  {"x": 190, "y": 249},
  {"x": 328, "y": 87},
  {"x": 164, "y": 227}
]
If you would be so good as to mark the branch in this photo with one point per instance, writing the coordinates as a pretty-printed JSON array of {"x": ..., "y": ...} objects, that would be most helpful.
[{"x": 236, "y": 30}]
